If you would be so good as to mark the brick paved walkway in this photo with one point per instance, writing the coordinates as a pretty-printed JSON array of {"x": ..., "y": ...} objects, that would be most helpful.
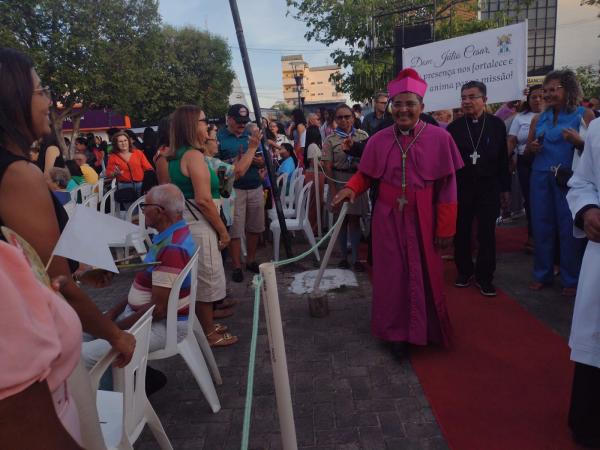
[{"x": 348, "y": 391}]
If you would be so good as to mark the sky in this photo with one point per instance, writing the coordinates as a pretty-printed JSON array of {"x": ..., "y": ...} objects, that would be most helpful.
[{"x": 268, "y": 32}]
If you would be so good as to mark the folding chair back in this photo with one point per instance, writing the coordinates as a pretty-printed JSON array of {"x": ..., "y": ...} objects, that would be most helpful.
[{"x": 189, "y": 346}]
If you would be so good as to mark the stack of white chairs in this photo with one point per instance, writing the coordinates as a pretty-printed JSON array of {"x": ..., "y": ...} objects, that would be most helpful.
[
  {"x": 299, "y": 222},
  {"x": 289, "y": 208}
]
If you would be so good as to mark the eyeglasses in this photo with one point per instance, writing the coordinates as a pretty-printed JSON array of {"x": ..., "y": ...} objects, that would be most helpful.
[
  {"x": 345, "y": 117},
  {"x": 464, "y": 98},
  {"x": 44, "y": 90},
  {"x": 407, "y": 105},
  {"x": 145, "y": 205}
]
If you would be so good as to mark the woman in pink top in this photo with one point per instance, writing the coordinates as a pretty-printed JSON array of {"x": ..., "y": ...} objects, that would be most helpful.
[{"x": 40, "y": 345}]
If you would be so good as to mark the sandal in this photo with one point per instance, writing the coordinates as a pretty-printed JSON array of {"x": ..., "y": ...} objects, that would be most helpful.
[
  {"x": 222, "y": 313},
  {"x": 225, "y": 340},
  {"x": 219, "y": 329}
]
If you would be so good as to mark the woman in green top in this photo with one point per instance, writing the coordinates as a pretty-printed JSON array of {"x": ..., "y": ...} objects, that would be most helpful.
[{"x": 187, "y": 169}]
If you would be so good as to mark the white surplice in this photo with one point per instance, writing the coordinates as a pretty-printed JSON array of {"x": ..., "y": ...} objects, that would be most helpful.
[{"x": 585, "y": 190}]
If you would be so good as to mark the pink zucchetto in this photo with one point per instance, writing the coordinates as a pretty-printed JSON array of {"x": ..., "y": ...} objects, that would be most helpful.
[{"x": 408, "y": 80}]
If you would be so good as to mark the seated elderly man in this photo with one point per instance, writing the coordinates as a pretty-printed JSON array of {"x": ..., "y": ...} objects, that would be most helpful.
[{"x": 172, "y": 247}]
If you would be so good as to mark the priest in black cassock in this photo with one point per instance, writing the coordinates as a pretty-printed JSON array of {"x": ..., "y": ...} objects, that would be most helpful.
[{"x": 481, "y": 139}]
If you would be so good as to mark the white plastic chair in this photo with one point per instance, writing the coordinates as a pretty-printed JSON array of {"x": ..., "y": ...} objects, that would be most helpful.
[
  {"x": 98, "y": 187},
  {"x": 141, "y": 218},
  {"x": 194, "y": 347},
  {"x": 289, "y": 198},
  {"x": 81, "y": 193},
  {"x": 124, "y": 413},
  {"x": 289, "y": 211},
  {"x": 136, "y": 240},
  {"x": 92, "y": 201},
  {"x": 300, "y": 222},
  {"x": 80, "y": 388},
  {"x": 109, "y": 197}
]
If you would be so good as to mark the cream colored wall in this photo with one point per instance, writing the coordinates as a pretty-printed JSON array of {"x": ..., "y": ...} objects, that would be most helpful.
[{"x": 318, "y": 87}]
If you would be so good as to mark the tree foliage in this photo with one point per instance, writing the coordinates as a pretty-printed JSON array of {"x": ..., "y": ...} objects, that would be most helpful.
[
  {"x": 350, "y": 21},
  {"x": 194, "y": 67},
  {"x": 116, "y": 54},
  {"x": 589, "y": 79}
]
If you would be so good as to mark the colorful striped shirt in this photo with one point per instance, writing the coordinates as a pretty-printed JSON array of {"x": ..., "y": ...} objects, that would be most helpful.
[{"x": 173, "y": 248}]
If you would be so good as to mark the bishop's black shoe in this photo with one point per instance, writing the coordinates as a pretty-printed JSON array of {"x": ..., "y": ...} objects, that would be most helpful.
[
  {"x": 486, "y": 288},
  {"x": 463, "y": 281}
]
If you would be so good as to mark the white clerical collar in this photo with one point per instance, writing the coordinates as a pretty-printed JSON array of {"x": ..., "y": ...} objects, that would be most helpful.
[
  {"x": 476, "y": 119},
  {"x": 410, "y": 130}
]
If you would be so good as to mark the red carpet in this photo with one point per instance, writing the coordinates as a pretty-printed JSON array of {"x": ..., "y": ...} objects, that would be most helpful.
[
  {"x": 510, "y": 239},
  {"x": 505, "y": 383}
]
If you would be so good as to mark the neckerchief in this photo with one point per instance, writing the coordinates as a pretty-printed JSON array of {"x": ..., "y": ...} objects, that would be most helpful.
[{"x": 343, "y": 134}]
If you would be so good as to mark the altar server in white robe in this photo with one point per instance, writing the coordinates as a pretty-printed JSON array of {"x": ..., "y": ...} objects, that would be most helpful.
[{"x": 584, "y": 202}]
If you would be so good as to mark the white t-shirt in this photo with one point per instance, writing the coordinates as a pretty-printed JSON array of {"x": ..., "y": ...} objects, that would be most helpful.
[{"x": 520, "y": 129}]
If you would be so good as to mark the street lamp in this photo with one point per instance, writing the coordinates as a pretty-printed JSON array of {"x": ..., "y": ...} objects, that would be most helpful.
[{"x": 298, "y": 78}]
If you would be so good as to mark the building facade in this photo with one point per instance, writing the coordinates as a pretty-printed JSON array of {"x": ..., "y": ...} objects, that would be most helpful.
[
  {"x": 541, "y": 18},
  {"x": 315, "y": 85}
]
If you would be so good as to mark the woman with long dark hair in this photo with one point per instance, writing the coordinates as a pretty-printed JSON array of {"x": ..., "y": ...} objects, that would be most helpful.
[
  {"x": 297, "y": 131},
  {"x": 50, "y": 155},
  {"x": 553, "y": 139},
  {"x": 150, "y": 143},
  {"x": 29, "y": 208}
]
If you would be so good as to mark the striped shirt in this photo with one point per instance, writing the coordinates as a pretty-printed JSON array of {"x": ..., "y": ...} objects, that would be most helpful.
[{"x": 173, "y": 248}]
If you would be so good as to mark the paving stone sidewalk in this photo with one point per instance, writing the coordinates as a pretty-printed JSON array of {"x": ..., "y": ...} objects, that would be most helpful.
[{"x": 348, "y": 391}]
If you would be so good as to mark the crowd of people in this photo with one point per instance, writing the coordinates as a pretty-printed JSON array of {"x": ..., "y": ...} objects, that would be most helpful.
[{"x": 419, "y": 182}]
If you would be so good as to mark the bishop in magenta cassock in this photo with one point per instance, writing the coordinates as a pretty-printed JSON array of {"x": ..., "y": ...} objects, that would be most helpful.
[{"x": 414, "y": 165}]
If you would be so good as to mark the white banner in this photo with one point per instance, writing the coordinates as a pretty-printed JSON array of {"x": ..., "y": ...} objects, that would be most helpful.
[{"x": 495, "y": 57}]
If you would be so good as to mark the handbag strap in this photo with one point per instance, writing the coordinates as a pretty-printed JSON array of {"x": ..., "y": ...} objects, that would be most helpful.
[
  {"x": 128, "y": 166},
  {"x": 189, "y": 204}
]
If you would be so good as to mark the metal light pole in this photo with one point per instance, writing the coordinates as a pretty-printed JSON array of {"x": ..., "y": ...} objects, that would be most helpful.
[
  {"x": 255, "y": 105},
  {"x": 298, "y": 78}
]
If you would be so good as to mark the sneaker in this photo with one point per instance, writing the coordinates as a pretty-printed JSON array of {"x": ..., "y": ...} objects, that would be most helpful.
[
  {"x": 486, "y": 288},
  {"x": 252, "y": 267},
  {"x": 237, "y": 275},
  {"x": 463, "y": 281}
]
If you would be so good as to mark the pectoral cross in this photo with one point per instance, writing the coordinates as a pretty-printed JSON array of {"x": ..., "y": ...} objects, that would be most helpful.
[
  {"x": 401, "y": 202},
  {"x": 474, "y": 157}
]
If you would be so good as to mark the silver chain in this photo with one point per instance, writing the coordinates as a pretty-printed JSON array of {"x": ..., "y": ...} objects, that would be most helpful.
[{"x": 475, "y": 148}]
